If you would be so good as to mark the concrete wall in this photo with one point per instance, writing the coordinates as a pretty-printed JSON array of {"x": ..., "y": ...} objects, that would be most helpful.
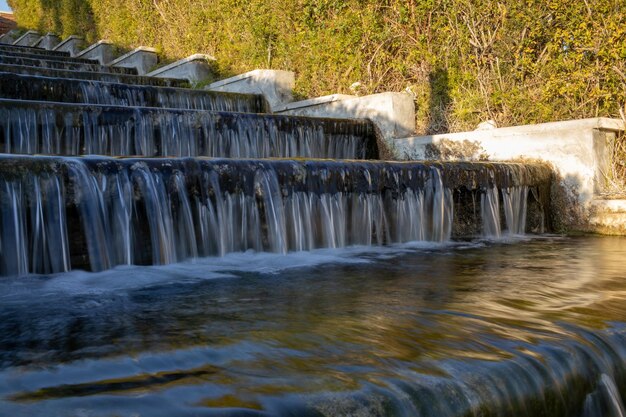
[
  {"x": 276, "y": 86},
  {"x": 393, "y": 113},
  {"x": 102, "y": 51},
  {"x": 73, "y": 44},
  {"x": 579, "y": 150},
  {"x": 608, "y": 216},
  {"x": 195, "y": 69},
  {"x": 48, "y": 41}
]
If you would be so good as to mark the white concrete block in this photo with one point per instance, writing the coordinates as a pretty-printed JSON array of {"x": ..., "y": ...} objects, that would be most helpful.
[
  {"x": 73, "y": 44},
  {"x": 28, "y": 39},
  {"x": 275, "y": 85},
  {"x": 393, "y": 113},
  {"x": 143, "y": 59},
  {"x": 608, "y": 217},
  {"x": 579, "y": 150},
  {"x": 195, "y": 68},
  {"x": 47, "y": 41},
  {"x": 102, "y": 51}
]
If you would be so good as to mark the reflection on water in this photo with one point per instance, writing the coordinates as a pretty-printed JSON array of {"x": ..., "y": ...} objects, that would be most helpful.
[{"x": 527, "y": 328}]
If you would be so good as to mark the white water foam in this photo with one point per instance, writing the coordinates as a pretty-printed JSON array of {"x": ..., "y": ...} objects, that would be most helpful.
[{"x": 228, "y": 266}]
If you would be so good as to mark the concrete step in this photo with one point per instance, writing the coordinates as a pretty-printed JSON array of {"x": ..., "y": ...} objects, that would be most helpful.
[
  {"x": 47, "y": 41},
  {"x": 393, "y": 113},
  {"x": 9, "y": 37},
  {"x": 195, "y": 69},
  {"x": 27, "y": 87},
  {"x": 142, "y": 59},
  {"x": 63, "y": 65},
  {"x": 276, "y": 86},
  {"x": 33, "y": 51},
  {"x": 102, "y": 51},
  {"x": 78, "y": 129},
  {"x": 92, "y": 75},
  {"x": 43, "y": 55}
]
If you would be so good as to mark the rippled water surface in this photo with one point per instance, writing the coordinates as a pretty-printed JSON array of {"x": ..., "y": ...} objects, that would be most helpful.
[{"x": 523, "y": 328}]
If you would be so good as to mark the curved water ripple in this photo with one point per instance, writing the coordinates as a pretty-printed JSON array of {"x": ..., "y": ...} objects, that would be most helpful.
[{"x": 492, "y": 328}]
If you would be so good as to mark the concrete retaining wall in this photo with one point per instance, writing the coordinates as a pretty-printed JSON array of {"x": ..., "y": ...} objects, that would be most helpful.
[
  {"x": 276, "y": 86},
  {"x": 48, "y": 41},
  {"x": 102, "y": 51},
  {"x": 195, "y": 69},
  {"x": 73, "y": 44},
  {"x": 579, "y": 150},
  {"x": 143, "y": 59},
  {"x": 393, "y": 113}
]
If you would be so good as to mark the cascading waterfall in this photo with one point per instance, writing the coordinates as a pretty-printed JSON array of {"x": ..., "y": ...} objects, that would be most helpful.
[
  {"x": 490, "y": 212},
  {"x": 36, "y": 88},
  {"x": 33, "y": 236},
  {"x": 81, "y": 130},
  {"x": 81, "y": 72},
  {"x": 606, "y": 401},
  {"x": 515, "y": 200},
  {"x": 48, "y": 63},
  {"x": 139, "y": 211}
]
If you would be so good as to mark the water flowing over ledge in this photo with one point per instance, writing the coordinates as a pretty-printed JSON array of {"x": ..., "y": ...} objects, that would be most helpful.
[
  {"x": 28, "y": 127},
  {"x": 60, "y": 213},
  {"x": 62, "y": 90}
]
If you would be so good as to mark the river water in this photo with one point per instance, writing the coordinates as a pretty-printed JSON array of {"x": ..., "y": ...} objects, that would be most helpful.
[{"x": 521, "y": 327}]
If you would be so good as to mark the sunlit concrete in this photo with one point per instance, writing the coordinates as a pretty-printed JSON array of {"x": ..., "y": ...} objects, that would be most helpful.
[
  {"x": 393, "y": 113},
  {"x": 143, "y": 59},
  {"x": 579, "y": 150},
  {"x": 102, "y": 51},
  {"x": 276, "y": 86}
]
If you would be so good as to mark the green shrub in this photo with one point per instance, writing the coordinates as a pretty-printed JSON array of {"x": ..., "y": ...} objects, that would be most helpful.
[{"x": 465, "y": 61}]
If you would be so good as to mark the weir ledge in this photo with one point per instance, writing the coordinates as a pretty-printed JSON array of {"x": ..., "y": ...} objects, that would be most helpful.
[{"x": 582, "y": 152}]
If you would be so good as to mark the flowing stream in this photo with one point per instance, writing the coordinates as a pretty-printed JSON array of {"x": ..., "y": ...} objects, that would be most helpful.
[{"x": 523, "y": 327}]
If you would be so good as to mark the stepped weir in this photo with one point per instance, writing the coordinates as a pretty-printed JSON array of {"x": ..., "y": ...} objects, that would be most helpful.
[
  {"x": 95, "y": 213},
  {"x": 92, "y": 212},
  {"x": 125, "y": 200}
]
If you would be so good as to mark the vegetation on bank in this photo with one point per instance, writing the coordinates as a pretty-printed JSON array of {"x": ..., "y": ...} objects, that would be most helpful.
[{"x": 465, "y": 61}]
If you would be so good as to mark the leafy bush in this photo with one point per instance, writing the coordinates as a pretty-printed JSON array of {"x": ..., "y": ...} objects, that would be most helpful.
[{"x": 465, "y": 61}]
